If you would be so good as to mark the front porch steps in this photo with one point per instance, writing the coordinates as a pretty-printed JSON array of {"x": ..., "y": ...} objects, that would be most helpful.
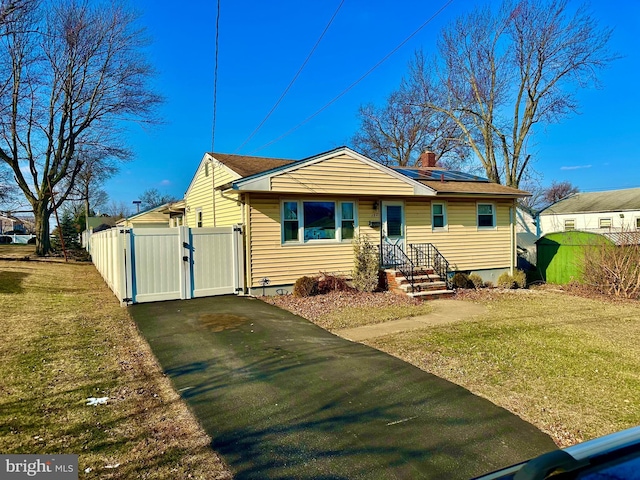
[{"x": 426, "y": 284}]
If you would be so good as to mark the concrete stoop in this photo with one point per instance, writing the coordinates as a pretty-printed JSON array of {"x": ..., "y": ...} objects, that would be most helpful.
[{"x": 426, "y": 284}]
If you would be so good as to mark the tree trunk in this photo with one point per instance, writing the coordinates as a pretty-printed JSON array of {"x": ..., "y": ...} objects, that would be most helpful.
[{"x": 43, "y": 239}]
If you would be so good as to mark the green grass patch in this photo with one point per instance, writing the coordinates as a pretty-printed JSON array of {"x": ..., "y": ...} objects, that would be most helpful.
[
  {"x": 350, "y": 317},
  {"x": 569, "y": 365},
  {"x": 64, "y": 339}
]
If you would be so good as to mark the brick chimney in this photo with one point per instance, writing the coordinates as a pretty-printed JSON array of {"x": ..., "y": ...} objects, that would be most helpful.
[{"x": 427, "y": 159}]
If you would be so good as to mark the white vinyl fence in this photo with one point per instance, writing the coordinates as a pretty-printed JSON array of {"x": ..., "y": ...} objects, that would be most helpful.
[
  {"x": 154, "y": 264},
  {"x": 16, "y": 238}
]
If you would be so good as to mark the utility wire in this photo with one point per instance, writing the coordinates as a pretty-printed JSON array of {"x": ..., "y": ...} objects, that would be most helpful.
[
  {"x": 295, "y": 77},
  {"x": 341, "y": 94},
  {"x": 215, "y": 80}
]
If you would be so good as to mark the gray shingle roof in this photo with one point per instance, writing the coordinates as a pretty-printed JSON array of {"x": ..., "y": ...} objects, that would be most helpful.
[{"x": 589, "y": 202}]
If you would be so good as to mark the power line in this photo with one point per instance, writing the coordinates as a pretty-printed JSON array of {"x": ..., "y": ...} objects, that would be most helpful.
[
  {"x": 341, "y": 94},
  {"x": 215, "y": 80},
  {"x": 295, "y": 77}
]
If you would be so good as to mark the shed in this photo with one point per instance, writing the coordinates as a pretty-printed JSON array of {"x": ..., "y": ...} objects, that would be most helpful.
[{"x": 560, "y": 254}]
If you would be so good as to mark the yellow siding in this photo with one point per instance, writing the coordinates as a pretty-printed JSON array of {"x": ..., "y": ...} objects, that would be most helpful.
[
  {"x": 200, "y": 195},
  {"x": 150, "y": 219},
  {"x": 284, "y": 264},
  {"x": 341, "y": 175},
  {"x": 464, "y": 245},
  {"x": 228, "y": 210}
]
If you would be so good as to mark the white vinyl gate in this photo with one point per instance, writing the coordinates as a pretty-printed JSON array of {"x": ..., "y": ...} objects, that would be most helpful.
[{"x": 154, "y": 264}]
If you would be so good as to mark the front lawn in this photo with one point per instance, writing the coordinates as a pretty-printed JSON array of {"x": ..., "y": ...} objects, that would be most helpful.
[
  {"x": 569, "y": 365},
  {"x": 64, "y": 340}
]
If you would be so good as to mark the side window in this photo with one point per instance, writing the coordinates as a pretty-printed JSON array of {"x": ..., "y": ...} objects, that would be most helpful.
[
  {"x": 604, "y": 223},
  {"x": 637, "y": 223},
  {"x": 486, "y": 215},
  {"x": 199, "y": 217},
  {"x": 290, "y": 223},
  {"x": 438, "y": 215},
  {"x": 348, "y": 223}
]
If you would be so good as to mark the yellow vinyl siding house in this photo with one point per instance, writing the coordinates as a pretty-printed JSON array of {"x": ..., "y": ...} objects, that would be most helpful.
[
  {"x": 299, "y": 217},
  {"x": 166, "y": 215}
]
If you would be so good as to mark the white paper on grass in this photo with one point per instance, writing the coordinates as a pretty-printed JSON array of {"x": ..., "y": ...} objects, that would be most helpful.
[{"x": 97, "y": 401}]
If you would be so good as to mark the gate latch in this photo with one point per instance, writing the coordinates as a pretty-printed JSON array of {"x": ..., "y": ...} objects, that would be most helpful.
[{"x": 185, "y": 258}]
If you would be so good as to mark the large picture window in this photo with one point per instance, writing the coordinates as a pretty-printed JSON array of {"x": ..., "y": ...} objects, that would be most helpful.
[
  {"x": 308, "y": 221},
  {"x": 486, "y": 215}
]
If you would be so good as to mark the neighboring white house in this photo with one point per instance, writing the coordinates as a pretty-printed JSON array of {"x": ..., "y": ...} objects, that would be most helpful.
[
  {"x": 526, "y": 236},
  {"x": 611, "y": 210}
]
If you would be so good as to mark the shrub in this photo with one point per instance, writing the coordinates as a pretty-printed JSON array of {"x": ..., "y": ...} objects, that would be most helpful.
[
  {"x": 520, "y": 278},
  {"x": 505, "y": 280},
  {"x": 476, "y": 280},
  {"x": 488, "y": 284},
  {"x": 517, "y": 280},
  {"x": 366, "y": 264},
  {"x": 461, "y": 280},
  {"x": 613, "y": 269},
  {"x": 330, "y": 283},
  {"x": 305, "y": 287}
]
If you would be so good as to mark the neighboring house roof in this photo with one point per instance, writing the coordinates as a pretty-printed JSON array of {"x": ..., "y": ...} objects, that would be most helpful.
[
  {"x": 246, "y": 166},
  {"x": 593, "y": 202},
  {"x": 95, "y": 222}
]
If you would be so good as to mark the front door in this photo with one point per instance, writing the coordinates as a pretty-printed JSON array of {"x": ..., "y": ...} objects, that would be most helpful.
[{"x": 393, "y": 232}]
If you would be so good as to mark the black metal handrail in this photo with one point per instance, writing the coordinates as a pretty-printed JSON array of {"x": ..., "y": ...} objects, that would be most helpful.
[
  {"x": 427, "y": 255},
  {"x": 394, "y": 256}
]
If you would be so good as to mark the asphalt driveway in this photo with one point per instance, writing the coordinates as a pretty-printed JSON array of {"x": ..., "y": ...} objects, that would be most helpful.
[{"x": 282, "y": 398}]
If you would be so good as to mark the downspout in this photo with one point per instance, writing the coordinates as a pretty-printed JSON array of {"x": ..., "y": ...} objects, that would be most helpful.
[
  {"x": 512, "y": 228},
  {"x": 213, "y": 182},
  {"x": 247, "y": 241}
]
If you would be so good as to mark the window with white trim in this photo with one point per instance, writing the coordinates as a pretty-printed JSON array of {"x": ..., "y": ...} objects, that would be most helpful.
[
  {"x": 348, "y": 219},
  {"x": 199, "y": 217},
  {"x": 569, "y": 224},
  {"x": 438, "y": 215},
  {"x": 308, "y": 221},
  {"x": 637, "y": 223},
  {"x": 486, "y": 215},
  {"x": 290, "y": 225},
  {"x": 604, "y": 222}
]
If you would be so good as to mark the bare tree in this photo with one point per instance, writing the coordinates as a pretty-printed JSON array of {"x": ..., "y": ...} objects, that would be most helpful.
[
  {"x": 398, "y": 132},
  {"x": 95, "y": 170},
  {"x": 118, "y": 210},
  {"x": 75, "y": 72},
  {"x": 502, "y": 72},
  {"x": 557, "y": 191},
  {"x": 152, "y": 198}
]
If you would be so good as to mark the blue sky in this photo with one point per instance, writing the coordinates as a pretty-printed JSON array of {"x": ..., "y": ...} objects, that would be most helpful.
[{"x": 262, "y": 45}]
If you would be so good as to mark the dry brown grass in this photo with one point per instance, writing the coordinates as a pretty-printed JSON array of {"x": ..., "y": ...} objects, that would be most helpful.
[
  {"x": 16, "y": 251},
  {"x": 567, "y": 364},
  {"x": 65, "y": 338}
]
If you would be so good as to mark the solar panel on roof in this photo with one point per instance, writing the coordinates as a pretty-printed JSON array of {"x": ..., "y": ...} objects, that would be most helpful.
[{"x": 447, "y": 175}]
